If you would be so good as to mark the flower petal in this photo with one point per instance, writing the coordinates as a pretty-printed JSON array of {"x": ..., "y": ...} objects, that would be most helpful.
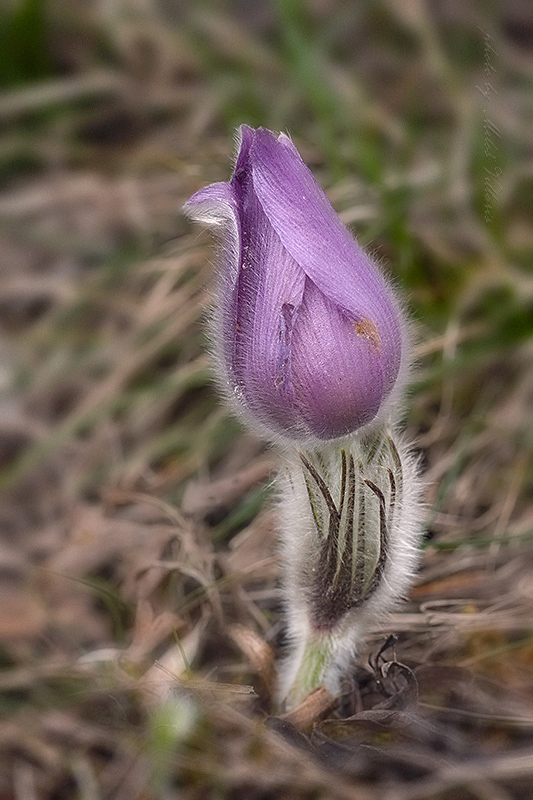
[
  {"x": 213, "y": 204},
  {"x": 330, "y": 359},
  {"x": 269, "y": 293},
  {"x": 244, "y": 140},
  {"x": 313, "y": 234},
  {"x": 219, "y": 204}
]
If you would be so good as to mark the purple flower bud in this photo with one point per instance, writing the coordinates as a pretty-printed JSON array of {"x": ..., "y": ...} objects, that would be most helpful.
[{"x": 309, "y": 335}]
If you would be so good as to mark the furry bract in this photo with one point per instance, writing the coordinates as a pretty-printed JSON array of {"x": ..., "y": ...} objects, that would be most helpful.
[
  {"x": 309, "y": 336},
  {"x": 349, "y": 539}
]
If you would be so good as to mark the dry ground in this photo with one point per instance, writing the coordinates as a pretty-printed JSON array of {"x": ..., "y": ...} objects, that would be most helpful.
[{"x": 140, "y": 615}]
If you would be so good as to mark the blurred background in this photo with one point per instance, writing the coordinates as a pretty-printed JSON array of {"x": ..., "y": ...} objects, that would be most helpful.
[{"x": 137, "y": 541}]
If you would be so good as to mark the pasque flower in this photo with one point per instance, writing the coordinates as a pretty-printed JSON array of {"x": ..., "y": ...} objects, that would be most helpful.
[
  {"x": 309, "y": 336},
  {"x": 311, "y": 347}
]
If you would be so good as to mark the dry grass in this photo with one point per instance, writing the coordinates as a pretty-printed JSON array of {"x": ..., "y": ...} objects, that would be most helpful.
[{"x": 140, "y": 616}]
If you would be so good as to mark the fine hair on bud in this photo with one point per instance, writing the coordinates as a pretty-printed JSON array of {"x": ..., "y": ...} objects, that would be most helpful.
[{"x": 298, "y": 302}]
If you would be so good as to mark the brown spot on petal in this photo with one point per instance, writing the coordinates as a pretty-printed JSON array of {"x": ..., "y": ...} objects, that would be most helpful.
[{"x": 369, "y": 330}]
